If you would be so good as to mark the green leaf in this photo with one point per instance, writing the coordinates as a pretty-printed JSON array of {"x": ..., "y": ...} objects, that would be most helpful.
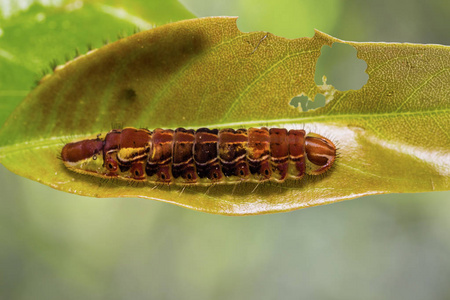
[
  {"x": 31, "y": 41},
  {"x": 393, "y": 134}
]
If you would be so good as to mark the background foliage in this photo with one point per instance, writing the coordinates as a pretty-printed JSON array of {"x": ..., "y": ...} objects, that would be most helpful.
[{"x": 55, "y": 245}]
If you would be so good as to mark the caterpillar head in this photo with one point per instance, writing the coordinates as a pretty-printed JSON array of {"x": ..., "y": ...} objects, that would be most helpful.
[{"x": 83, "y": 156}]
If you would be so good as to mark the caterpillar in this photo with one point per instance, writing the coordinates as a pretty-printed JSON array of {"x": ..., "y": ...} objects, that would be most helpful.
[{"x": 203, "y": 156}]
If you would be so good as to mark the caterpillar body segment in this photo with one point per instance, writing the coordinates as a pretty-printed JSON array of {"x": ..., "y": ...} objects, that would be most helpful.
[{"x": 203, "y": 156}]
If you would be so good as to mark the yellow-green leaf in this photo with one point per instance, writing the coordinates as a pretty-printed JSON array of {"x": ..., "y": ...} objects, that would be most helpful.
[{"x": 393, "y": 134}]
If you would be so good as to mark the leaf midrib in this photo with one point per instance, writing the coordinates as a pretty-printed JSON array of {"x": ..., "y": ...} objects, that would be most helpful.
[{"x": 52, "y": 141}]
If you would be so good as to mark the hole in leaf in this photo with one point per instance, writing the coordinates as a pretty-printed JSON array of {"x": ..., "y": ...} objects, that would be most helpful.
[
  {"x": 341, "y": 67},
  {"x": 306, "y": 104},
  {"x": 298, "y": 100}
]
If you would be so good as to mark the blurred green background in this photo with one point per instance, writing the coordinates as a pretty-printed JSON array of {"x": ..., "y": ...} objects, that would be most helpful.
[{"x": 55, "y": 245}]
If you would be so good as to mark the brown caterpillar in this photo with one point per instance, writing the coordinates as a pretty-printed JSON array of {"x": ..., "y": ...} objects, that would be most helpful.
[{"x": 203, "y": 156}]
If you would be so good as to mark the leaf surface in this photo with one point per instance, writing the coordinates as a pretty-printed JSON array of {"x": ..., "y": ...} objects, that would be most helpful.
[
  {"x": 38, "y": 38},
  {"x": 393, "y": 134}
]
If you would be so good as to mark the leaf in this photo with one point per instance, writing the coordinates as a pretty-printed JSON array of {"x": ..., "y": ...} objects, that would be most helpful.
[
  {"x": 56, "y": 33},
  {"x": 393, "y": 134}
]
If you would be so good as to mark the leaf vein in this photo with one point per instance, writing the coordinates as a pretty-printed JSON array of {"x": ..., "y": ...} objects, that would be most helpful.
[
  {"x": 258, "y": 78},
  {"x": 426, "y": 81}
]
